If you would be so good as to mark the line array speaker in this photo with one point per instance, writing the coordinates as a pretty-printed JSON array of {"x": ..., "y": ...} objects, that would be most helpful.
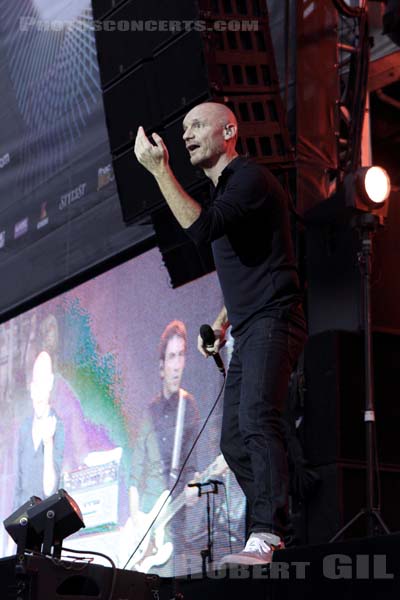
[{"x": 158, "y": 58}]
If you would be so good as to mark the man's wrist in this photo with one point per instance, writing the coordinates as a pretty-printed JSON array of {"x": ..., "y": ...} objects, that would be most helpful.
[
  {"x": 163, "y": 172},
  {"x": 221, "y": 322},
  {"x": 220, "y": 325}
]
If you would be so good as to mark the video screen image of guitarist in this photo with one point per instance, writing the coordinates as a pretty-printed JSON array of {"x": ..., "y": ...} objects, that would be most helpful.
[{"x": 131, "y": 392}]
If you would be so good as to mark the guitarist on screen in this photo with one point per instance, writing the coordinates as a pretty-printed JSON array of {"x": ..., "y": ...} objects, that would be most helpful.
[{"x": 168, "y": 430}]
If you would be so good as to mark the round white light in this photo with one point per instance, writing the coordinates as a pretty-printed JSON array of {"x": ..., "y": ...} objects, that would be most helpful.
[{"x": 377, "y": 184}]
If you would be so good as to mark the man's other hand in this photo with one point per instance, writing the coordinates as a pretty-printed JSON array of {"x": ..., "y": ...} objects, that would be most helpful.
[{"x": 219, "y": 343}]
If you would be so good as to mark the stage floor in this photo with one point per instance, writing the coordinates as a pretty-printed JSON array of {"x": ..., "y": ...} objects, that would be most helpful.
[{"x": 364, "y": 568}]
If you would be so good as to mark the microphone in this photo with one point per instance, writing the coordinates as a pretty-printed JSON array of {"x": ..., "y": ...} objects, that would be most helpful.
[
  {"x": 198, "y": 485},
  {"x": 208, "y": 336}
]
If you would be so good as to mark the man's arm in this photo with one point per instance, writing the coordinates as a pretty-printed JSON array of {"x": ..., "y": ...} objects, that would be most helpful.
[
  {"x": 53, "y": 444},
  {"x": 221, "y": 323},
  {"x": 244, "y": 195},
  {"x": 155, "y": 159},
  {"x": 49, "y": 472}
]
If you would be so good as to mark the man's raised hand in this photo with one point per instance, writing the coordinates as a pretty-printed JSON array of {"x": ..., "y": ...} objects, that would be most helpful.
[
  {"x": 48, "y": 425},
  {"x": 153, "y": 157}
]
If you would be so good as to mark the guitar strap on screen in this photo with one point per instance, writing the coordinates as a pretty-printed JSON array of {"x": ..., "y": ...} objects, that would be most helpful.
[{"x": 180, "y": 421}]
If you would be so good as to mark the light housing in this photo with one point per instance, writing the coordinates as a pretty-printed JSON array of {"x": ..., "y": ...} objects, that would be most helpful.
[
  {"x": 62, "y": 511},
  {"x": 42, "y": 525},
  {"x": 368, "y": 190},
  {"x": 19, "y": 528},
  {"x": 373, "y": 185},
  {"x": 353, "y": 197}
]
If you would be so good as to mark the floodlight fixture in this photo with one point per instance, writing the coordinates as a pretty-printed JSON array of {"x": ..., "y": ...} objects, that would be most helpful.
[
  {"x": 368, "y": 190},
  {"x": 42, "y": 525},
  {"x": 18, "y": 527}
]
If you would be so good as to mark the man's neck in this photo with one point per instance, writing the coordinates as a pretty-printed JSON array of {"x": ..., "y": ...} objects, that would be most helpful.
[
  {"x": 42, "y": 416},
  {"x": 215, "y": 171},
  {"x": 167, "y": 394}
]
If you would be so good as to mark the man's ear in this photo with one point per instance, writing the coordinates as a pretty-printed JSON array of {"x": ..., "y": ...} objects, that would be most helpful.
[
  {"x": 229, "y": 131},
  {"x": 161, "y": 369}
]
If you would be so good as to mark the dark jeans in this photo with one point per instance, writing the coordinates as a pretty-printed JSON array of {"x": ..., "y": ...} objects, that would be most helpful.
[{"x": 252, "y": 438}]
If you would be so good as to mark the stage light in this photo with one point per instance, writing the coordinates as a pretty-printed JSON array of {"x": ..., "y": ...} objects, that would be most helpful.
[
  {"x": 363, "y": 194},
  {"x": 19, "y": 528},
  {"x": 54, "y": 519},
  {"x": 42, "y": 525},
  {"x": 368, "y": 190},
  {"x": 373, "y": 185}
]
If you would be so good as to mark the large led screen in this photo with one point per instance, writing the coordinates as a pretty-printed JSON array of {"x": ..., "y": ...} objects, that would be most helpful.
[
  {"x": 102, "y": 393},
  {"x": 59, "y": 209}
]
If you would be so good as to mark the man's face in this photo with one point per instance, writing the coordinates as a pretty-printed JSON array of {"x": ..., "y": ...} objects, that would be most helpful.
[
  {"x": 41, "y": 385},
  {"x": 50, "y": 338},
  {"x": 204, "y": 136},
  {"x": 171, "y": 368}
]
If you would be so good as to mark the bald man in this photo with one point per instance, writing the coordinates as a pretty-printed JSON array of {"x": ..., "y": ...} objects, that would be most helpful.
[
  {"x": 41, "y": 438},
  {"x": 247, "y": 224}
]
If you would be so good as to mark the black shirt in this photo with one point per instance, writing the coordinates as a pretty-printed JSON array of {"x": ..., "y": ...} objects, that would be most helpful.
[
  {"x": 154, "y": 447},
  {"x": 31, "y": 462},
  {"x": 247, "y": 222},
  {"x": 163, "y": 414}
]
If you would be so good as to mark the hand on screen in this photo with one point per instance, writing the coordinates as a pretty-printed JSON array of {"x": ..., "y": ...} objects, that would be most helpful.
[{"x": 49, "y": 425}]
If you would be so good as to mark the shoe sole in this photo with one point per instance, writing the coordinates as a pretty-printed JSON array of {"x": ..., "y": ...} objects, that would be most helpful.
[{"x": 245, "y": 561}]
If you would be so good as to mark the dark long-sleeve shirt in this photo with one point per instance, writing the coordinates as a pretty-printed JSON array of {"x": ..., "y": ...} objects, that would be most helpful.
[
  {"x": 153, "y": 452},
  {"x": 31, "y": 462},
  {"x": 247, "y": 223}
]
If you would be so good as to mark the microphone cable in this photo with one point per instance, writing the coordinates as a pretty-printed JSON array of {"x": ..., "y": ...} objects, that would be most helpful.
[{"x": 228, "y": 518}]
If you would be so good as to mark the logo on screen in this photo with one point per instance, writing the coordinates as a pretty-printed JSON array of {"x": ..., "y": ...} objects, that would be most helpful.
[
  {"x": 21, "y": 228},
  {"x": 72, "y": 196},
  {"x": 105, "y": 176},
  {"x": 2, "y": 239},
  {"x": 43, "y": 219},
  {"x": 4, "y": 160}
]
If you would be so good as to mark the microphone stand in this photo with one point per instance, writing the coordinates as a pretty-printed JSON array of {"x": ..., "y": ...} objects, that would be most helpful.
[
  {"x": 367, "y": 225},
  {"x": 207, "y": 553}
]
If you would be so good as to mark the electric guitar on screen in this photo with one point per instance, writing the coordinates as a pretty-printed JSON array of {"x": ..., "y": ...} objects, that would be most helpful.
[{"x": 154, "y": 550}]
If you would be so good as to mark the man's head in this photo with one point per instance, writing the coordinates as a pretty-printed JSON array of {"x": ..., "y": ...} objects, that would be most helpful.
[
  {"x": 48, "y": 330},
  {"x": 210, "y": 131},
  {"x": 172, "y": 357},
  {"x": 42, "y": 384}
]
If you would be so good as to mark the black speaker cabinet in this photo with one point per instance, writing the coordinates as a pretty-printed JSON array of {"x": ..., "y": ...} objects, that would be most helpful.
[
  {"x": 334, "y": 427},
  {"x": 340, "y": 495},
  {"x": 334, "y": 282},
  {"x": 43, "y": 578}
]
